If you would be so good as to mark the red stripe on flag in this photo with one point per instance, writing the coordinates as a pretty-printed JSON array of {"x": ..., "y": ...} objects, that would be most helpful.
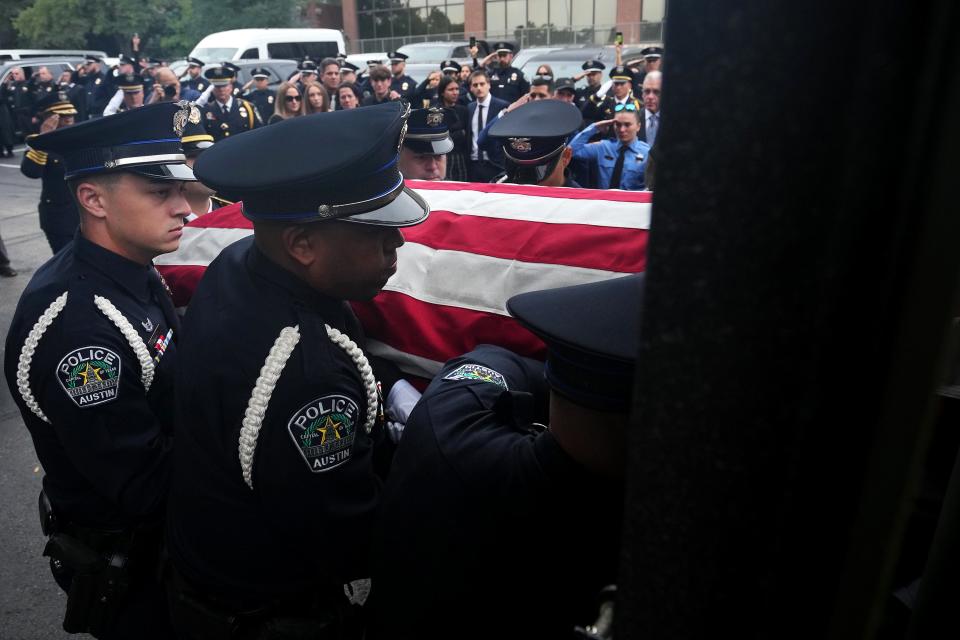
[
  {"x": 441, "y": 332},
  {"x": 182, "y": 280},
  {"x": 228, "y": 217},
  {"x": 577, "y": 245},
  {"x": 531, "y": 190}
]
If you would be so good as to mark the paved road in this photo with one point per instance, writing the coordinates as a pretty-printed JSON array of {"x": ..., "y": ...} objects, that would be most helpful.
[{"x": 31, "y": 604}]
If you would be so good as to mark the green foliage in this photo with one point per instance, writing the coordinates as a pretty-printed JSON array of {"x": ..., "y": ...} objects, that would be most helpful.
[{"x": 167, "y": 28}]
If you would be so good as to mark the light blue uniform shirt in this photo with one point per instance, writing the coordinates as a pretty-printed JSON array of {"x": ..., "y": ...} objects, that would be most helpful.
[{"x": 604, "y": 153}]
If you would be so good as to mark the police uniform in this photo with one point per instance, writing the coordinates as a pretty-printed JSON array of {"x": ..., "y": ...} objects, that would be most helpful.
[
  {"x": 605, "y": 155},
  {"x": 58, "y": 210},
  {"x": 275, "y": 489},
  {"x": 16, "y": 102},
  {"x": 490, "y": 528},
  {"x": 262, "y": 99},
  {"x": 402, "y": 84},
  {"x": 237, "y": 116},
  {"x": 533, "y": 137},
  {"x": 89, "y": 360},
  {"x": 91, "y": 84},
  {"x": 584, "y": 95},
  {"x": 129, "y": 83},
  {"x": 597, "y": 109},
  {"x": 198, "y": 84},
  {"x": 507, "y": 83},
  {"x": 305, "y": 67}
]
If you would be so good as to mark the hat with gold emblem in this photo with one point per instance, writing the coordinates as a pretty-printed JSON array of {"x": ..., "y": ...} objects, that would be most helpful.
[
  {"x": 533, "y": 137},
  {"x": 428, "y": 131}
]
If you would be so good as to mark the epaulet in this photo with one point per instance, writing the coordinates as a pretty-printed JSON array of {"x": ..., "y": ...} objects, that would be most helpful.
[{"x": 40, "y": 157}]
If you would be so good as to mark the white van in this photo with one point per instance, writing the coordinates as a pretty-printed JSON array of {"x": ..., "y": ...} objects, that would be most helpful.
[{"x": 252, "y": 44}]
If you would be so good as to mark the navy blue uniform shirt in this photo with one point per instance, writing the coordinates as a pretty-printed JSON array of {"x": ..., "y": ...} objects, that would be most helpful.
[
  {"x": 106, "y": 449},
  {"x": 489, "y": 529},
  {"x": 58, "y": 211},
  {"x": 507, "y": 83},
  {"x": 222, "y": 123},
  {"x": 305, "y": 524}
]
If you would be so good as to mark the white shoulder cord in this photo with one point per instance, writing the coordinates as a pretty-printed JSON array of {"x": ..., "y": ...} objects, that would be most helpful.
[
  {"x": 343, "y": 341},
  {"x": 29, "y": 347},
  {"x": 260, "y": 398},
  {"x": 133, "y": 338},
  {"x": 267, "y": 381}
]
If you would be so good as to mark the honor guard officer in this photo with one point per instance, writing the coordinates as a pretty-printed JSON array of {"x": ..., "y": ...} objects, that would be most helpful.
[
  {"x": 89, "y": 361},
  {"x": 483, "y": 502},
  {"x": 423, "y": 155},
  {"x": 621, "y": 93},
  {"x": 401, "y": 83},
  {"x": 534, "y": 139},
  {"x": 195, "y": 79},
  {"x": 262, "y": 97},
  {"x": 129, "y": 95},
  {"x": 201, "y": 198},
  {"x": 506, "y": 81},
  {"x": 91, "y": 80},
  {"x": 58, "y": 210},
  {"x": 264, "y": 534},
  {"x": 227, "y": 115}
]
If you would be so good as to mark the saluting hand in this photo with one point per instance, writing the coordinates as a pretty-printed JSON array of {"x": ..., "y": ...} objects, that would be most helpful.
[
  {"x": 604, "y": 125},
  {"x": 50, "y": 124},
  {"x": 522, "y": 100}
]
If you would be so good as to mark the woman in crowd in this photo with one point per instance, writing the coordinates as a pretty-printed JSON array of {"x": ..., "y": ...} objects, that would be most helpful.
[
  {"x": 546, "y": 71},
  {"x": 448, "y": 92},
  {"x": 315, "y": 99},
  {"x": 348, "y": 96},
  {"x": 289, "y": 103}
]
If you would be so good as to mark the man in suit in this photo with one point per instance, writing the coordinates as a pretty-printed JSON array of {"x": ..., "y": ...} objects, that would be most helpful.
[
  {"x": 484, "y": 165},
  {"x": 651, "y": 107},
  {"x": 227, "y": 115}
]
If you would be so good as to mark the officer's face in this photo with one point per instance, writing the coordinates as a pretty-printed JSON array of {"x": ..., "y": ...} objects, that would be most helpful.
[
  {"x": 16, "y": 75},
  {"x": 626, "y": 125},
  {"x": 652, "y": 64},
  {"x": 621, "y": 88},
  {"x": 331, "y": 76},
  {"x": 142, "y": 218},
  {"x": 194, "y": 71},
  {"x": 133, "y": 100},
  {"x": 352, "y": 261},
  {"x": 398, "y": 67},
  {"x": 505, "y": 58},
  {"x": 223, "y": 92},
  {"x": 422, "y": 166},
  {"x": 565, "y": 96},
  {"x": 262, "y": 83},
  {"x": 594, "y": 78}
]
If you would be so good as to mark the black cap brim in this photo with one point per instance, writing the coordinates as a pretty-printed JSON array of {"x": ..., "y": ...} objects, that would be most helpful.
[
  {"x": 406, "y": 210},
  {"x": 431, "y": 147},
  {"x": 529, "y": 174},
  {"x": 177, "y": 171}
]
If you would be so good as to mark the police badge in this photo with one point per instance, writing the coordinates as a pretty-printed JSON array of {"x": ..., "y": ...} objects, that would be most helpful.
[
  {"x": 434, "y": 117},
  {"x": 188, "y": 113},
  {"x": 520, "y": 145}
]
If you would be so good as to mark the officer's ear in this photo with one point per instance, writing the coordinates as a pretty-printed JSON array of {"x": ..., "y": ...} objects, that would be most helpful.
[
  {"x": 297, "y": 242},
  {"x": 92, "y": 194},
  {"x": 565, "y": 157}
]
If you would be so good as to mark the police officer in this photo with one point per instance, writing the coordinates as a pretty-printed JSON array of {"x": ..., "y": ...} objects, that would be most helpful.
[
  {"x": 14, "y": 110},
  {"x": 621, "y": 93},
  {"x": 107, "y": 90},
  {"x": 130, "y": 94},
  {"x": 58, "y": 210},
  {"x": 534, "y": 140},
  {"x": 89, "y": 361},
  {"x": 261, "y": 95},
  {"x": 195, "y": 79},
  {"x": 401, "y": 83},
  {"x": 493, "y": 525},
  {"x": 307, "y": 73},
  {"x": 423, "y": 155},
  {"x": 201, "y": 198},
  {"x": 593, "y": 72},
  {"x": 90, "y": 78},
  {"x": 506, "y": 81},
  {"x": 227, "y": 115},
  {"x": 264, "y": 534}
]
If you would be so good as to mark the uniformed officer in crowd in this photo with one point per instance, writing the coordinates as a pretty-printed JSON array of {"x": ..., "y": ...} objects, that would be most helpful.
[
  {"x": 566, "y": 91},
  {"x": 401, "y": 82},
  {"x": 494, "y": 525},
  {"x": 423, "y": 155},
  {"x": 593, "y": 72},
  {"x": 89, "y": 360},
  {"x": 261, "y": 95},
  {"x": 107, "y": 90},
  {"x": 227, "y": 114},
  {"x": 621, "y": 92},
  {"x": 506, "y": 81},
  {"x": 195, "y": 79},
  {"x": 348, "y": 73},
  {"x": 58, "y": 210},
  {"x": 91, "y": 77},
  {"x": 619, "y": 163},
  {"x": 201, "y": 198},
  {"x": 275, "y": 487},
  {"x": 652, "y": 60},
  {"x": 14, "y": 109},
  {"x": 307, "y": 73},
  {"x": 534, "y": 141},
  {"x": 129, "y": 95}
]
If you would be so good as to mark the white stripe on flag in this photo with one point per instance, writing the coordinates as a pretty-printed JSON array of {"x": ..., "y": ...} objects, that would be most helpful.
[
  {"x": 200, "y": 245},
  {"x": 600, "y": 213},
  {"x": 408, "y": 363},
  {"x": 478, "y": 282}
]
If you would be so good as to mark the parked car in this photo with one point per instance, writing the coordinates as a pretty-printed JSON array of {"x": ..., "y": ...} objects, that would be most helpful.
[
  {"x": 279, "y": 70},
  {"x": 437, "y": 52},
  {"x": 30, "y": 65},
  {"x": 568, "y": 62},
  {"x": 26, "y": 54},
  {"x": 259, "y": 44}
]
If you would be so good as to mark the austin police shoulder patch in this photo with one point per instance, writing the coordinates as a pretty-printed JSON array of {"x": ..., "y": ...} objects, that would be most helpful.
[
  {"x": 90, "y": 375},
  {"x": 323, "y": 431},
  {"x": 477, "y": 372}
]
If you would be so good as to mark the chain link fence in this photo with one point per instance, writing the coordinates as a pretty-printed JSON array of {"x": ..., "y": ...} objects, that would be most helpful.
[{"x": 633, "y": 33}]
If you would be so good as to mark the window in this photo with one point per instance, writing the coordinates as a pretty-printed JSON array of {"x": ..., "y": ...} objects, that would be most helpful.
[
  {"x": 320, "y": 50},
  {"x": 399, "y": 18},
  {"x": 250, "y": 54},
  {"x": 284, "y": 50}
]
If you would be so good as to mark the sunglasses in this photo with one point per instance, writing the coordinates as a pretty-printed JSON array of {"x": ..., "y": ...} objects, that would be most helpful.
[
  {"x": 627, "y": 106},
  {"x": 292, "y": 98}
]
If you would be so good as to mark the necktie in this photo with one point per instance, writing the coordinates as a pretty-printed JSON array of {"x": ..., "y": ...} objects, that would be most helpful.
[
  {"x": 479, "y": 118},
  {"x": 652, "y": 128},
  {"x": 618, "y": 169}
]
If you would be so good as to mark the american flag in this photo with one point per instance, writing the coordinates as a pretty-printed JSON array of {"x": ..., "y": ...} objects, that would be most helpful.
[{"x": 482, "y": 244}]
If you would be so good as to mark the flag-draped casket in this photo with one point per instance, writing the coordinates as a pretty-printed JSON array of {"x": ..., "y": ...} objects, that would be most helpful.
[{"x": 481, "y": 244}]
